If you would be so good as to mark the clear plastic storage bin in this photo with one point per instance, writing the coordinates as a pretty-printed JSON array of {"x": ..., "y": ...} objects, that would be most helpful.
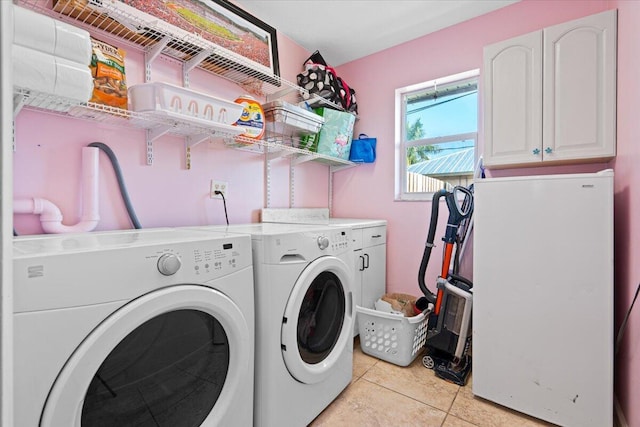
[
  {"x": 287, "y": 119},
  {"x": 392, "y": 337}
]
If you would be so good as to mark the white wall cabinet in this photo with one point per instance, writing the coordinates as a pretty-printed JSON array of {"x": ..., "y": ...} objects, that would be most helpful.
[
  {"x": 550, "y": 95},
  {"x": 370, "y": 247}
]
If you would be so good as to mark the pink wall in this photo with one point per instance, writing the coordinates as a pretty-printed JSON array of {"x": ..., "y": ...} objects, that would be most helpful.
[
  {"x": 627, "y": 208},
  {"x": 166, "y": 194},
  {"x": 368, "y": 191},
  {"x": 47, "y": 163}
]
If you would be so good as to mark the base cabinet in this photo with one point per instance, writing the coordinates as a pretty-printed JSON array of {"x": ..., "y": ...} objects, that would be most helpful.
[
  {"x": 550, "y": 95},
  {"x": 370, "y": 266}
]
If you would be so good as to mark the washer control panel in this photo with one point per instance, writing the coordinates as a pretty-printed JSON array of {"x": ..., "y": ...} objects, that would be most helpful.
[{"x": 339, "y": 241}]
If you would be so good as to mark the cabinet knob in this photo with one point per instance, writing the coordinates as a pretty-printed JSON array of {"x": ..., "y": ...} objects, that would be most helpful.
[
  {"x": 536, "y": 151},
  {"x": 548, "y": 150}
]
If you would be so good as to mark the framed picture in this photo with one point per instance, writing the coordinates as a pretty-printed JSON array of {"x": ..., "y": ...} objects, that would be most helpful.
[{"x": 225, "y": 25}]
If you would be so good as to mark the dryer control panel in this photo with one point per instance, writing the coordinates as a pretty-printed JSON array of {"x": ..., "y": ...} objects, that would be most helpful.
[
  {"x": 206, "y": 260},
  {"x": 74, "y": 270}
]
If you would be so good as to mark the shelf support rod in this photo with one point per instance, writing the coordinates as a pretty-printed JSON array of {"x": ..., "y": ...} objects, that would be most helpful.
[
  {"x": 337, "y": 168},
  {"x": 189, "y": 65},
  {"x": 303, "y": 159},
  {"x": 151, "y": 54},
  {"x": 277, "y": 154},
  {"x": 330, "y": 195},
  {"x": 18, "y": 103},
  {"x": 152, "y": 135},
  {"x": 292, "y": 183},
  {"x": 282, "y": 93},
  {"x": 267, "y": 181},
  {"x": 192, "y": 141}
]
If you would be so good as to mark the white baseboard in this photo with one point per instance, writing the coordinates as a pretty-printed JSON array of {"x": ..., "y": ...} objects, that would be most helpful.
[{"x": 618, "y": 416}]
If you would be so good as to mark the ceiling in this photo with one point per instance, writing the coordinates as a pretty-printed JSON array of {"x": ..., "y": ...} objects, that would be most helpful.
[{"x": 345, "y": 30}]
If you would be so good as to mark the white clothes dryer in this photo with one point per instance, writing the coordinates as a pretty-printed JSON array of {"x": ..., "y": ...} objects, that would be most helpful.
[
  {"x": 145, "y": 327},
  {"x": 304, "y": 318}
]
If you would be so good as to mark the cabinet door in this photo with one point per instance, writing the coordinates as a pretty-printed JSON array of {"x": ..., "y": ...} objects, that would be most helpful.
[
  {"x": 579, "y": 99},
  {"x": 374, "y": 243},
  {"x": 513, "y": 101},
  {"x": 358, "y": 268},
  {"x": 374, "y": 276}
]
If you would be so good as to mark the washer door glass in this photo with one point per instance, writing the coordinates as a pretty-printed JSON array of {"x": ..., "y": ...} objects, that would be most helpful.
[
  {"x": 321, "y": 317},
  {"x": 318, "y": 320},
  {"x": 170, "y": 370},
  {"x": 178, "y": 356}
]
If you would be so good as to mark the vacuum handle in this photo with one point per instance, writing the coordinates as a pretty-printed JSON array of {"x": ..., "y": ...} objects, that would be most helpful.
[{"x": 460, "y": 208}]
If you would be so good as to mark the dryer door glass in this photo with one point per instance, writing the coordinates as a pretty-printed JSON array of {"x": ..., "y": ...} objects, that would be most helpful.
[
  {"x": 168, "y": 371},
  {"x": 321, "y": 317}
]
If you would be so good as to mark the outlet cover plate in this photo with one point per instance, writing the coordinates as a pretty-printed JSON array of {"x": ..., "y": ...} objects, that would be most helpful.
[{"x": 222, "y": 186}]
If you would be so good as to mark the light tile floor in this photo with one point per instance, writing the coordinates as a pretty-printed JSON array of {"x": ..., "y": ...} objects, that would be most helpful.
[{"x": 383, "y": 394}]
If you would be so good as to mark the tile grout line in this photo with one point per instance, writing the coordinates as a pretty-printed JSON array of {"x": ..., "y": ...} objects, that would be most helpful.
[
  {"x": 451, "y": 407},
  {"x": 404, "y": 395}
]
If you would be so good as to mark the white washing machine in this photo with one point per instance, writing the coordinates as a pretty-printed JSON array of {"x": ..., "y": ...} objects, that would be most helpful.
[
  {"x": 366, "y": 233},
  {"x": 144, "y": 327},
  {"x": 304, "y": 318}
]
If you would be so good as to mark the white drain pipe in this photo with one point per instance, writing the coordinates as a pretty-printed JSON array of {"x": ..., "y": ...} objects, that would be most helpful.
[{"x": 50, "y": 214}]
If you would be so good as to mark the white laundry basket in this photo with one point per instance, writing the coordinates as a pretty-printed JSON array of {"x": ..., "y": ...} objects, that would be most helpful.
[{"x": 392, "y": 337}]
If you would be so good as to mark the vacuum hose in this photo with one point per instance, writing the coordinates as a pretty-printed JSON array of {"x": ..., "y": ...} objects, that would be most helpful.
[
  {"x": 457, "y": 213},
  {"x": 435, "y": 207}
]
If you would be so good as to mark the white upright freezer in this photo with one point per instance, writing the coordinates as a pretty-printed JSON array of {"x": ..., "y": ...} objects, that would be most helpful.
[{"x": 543, "y": 296}]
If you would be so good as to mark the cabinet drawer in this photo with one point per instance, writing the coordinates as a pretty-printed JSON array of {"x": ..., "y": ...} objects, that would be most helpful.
[{"x": 374, "y": 236}]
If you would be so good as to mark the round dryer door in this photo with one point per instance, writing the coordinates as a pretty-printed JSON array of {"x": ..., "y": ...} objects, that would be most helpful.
[
  {"x": 174, "y": 357},
  {"x": 319, "y": 320}
]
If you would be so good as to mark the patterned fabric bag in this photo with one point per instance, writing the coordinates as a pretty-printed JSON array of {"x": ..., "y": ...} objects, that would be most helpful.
[{"x": 320, "y": 79}]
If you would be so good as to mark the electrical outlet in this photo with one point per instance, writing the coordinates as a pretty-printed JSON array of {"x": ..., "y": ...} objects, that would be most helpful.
[{"x": 221, "y": 186}]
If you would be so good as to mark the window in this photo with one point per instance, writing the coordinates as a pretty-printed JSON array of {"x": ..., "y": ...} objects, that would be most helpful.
[{"x": 436, "y": 135}]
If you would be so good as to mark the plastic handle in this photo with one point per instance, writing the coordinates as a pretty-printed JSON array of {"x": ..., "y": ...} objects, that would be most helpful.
[
  {"x": 460, "y": 208},
  {"x": 366, "y": 260}
]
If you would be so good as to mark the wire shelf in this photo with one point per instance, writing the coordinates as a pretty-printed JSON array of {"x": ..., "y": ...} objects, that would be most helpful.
[
  {"x": 113, "y": 20},
  {"x": 159, "y": 125},
  {"x": 25, "y": 98}
]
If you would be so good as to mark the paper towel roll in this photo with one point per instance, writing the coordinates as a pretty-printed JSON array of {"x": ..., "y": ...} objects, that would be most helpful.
[
  {"x": 33, "y": 69},
  {"x": 40, "y": 32},
  {"x": 73, "y": 80},
  {"x": 33, "y": 30},
  {"x": 72, "y": 43}
]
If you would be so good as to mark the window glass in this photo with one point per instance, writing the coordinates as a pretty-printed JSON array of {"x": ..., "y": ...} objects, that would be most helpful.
[
  {"x": 436, "y": 135},
  {"x": 168, "y": 371}
]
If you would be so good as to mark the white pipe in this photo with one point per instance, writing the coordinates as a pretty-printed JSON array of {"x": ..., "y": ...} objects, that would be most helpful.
[{"x": 50, "y": 214}]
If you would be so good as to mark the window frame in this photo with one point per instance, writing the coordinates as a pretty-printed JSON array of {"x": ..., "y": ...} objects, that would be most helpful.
[{"x": 401, "y": 144}]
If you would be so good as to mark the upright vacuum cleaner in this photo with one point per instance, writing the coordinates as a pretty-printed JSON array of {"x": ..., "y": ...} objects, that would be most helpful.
[{"x": 449, "y": 326}]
